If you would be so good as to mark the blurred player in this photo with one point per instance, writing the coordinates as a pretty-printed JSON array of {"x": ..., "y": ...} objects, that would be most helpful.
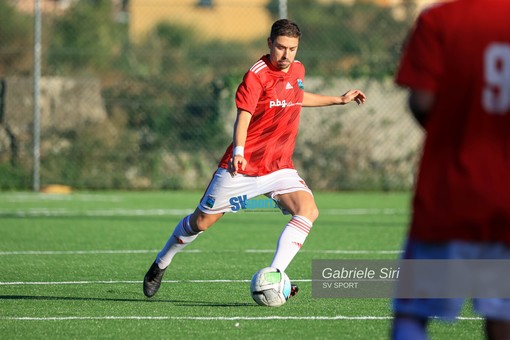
[
  {"x": 456, "y": 64},
  {"x": 259, "y": 160}
]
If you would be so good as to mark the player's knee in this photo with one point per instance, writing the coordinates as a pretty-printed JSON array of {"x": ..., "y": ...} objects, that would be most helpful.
[
  {"x": 314, "y": 214},
  {"x": 311, "y": 213},
  {"x": 200, "y": 221},
  {"x": 200, "y": 224}
]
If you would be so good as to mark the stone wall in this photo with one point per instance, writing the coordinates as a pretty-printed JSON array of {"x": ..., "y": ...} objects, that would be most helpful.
[
  {"x": 65, "y": 104},
  {"x": 341, "y": 147},
  {"x": 372, "y": 146}
]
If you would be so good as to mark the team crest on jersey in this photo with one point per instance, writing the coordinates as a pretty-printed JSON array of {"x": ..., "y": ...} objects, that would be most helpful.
[
  {"x": 300, "y": 84},
  {"x": 210, "y": 201}
]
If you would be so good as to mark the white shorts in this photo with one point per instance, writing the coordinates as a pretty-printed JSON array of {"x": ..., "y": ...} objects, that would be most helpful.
[
  {"x": 449, "y": 309},
  {"x": 227, "y": 193}
]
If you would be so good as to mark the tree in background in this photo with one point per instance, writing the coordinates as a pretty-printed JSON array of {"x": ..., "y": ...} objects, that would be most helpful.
[
  {"x": 168, "y": 87},
  {"x": 16, "y": 37},
  {"x": 358, "y": 40},
  {"x": 86, "y": 39},
  {"x": 167, "y": 93}
]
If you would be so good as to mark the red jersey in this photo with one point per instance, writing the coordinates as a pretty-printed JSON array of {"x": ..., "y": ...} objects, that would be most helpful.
[
  {"x": 274, "y": 98},
  {"x": 461, "y": 52}
]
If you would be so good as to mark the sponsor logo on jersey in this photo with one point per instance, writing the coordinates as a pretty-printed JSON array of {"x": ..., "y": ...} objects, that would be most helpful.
[
  {"x": 289, "y": 86},
  {"x": 277, "y": 102}
]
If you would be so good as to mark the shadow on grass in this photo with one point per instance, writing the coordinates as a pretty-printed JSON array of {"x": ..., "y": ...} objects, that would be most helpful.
[{"x": 187, "y": 303}]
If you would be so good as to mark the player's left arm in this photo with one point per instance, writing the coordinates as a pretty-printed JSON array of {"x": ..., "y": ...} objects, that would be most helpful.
[{"x": 315, "y": 100}]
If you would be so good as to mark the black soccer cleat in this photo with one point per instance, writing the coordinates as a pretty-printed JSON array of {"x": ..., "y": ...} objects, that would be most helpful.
[
  {"x": 293, "y": 290},
  {"x": 152, "y": 280}
]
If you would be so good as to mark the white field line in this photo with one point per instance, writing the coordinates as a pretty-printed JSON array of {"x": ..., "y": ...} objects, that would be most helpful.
[
  {"x": 34, "y": 212},
  {"x": 41, "y": 197},
  {"x": 61, "y": 212},
  {"x": 56, "y": 283},
  {"x": 363, "y": 211},
  {"x": 87, "y": 252},
  {"x": 210, "y": 318},
  {"x": 334, "y": 251},
  {"x": 20, "y": 283},
  {"x": 148, "y": 251}
]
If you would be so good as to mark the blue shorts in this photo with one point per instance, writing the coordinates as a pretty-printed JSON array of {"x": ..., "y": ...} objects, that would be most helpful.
[{"x": 449, "y": 309}]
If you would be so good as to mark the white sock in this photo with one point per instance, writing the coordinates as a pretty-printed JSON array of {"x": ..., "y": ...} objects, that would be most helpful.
[
  {"x": 290, "y": 241},
  {"x": 182, "y": 236}
]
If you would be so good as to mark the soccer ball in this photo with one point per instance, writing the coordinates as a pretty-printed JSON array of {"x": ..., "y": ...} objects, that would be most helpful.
[{"x": 270, "y": 287}]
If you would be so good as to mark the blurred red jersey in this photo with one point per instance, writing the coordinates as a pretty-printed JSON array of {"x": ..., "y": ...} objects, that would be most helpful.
[
  {"x": 461, "y": 51},
  {"x": 274, "y": 98}
]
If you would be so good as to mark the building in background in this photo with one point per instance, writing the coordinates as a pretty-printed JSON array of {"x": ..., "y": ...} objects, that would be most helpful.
[
  {"x": 215, "y": 19},
  {"x": 227, "y": 20}
]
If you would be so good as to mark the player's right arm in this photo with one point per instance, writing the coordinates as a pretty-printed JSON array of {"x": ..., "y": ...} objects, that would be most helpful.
[{"x": 239, "y": 141}]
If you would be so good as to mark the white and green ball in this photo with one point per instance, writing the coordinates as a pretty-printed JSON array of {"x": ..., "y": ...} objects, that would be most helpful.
[{"x": 270, "y": 287}]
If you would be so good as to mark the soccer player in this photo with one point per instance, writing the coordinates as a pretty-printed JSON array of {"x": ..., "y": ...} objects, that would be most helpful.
[
  {"x": 456, "y": 64},
  {"x": 259, "y": 160}
]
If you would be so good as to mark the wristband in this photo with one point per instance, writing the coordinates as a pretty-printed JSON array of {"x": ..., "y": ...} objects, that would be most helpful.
[{"x": 239, "y": 150}]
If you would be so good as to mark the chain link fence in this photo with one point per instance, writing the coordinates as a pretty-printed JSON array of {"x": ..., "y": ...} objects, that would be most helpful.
[{"x": 139, "y": 94}]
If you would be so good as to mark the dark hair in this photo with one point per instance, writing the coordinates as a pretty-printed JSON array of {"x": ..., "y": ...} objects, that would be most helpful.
[{"x": 284, "y": 27}]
